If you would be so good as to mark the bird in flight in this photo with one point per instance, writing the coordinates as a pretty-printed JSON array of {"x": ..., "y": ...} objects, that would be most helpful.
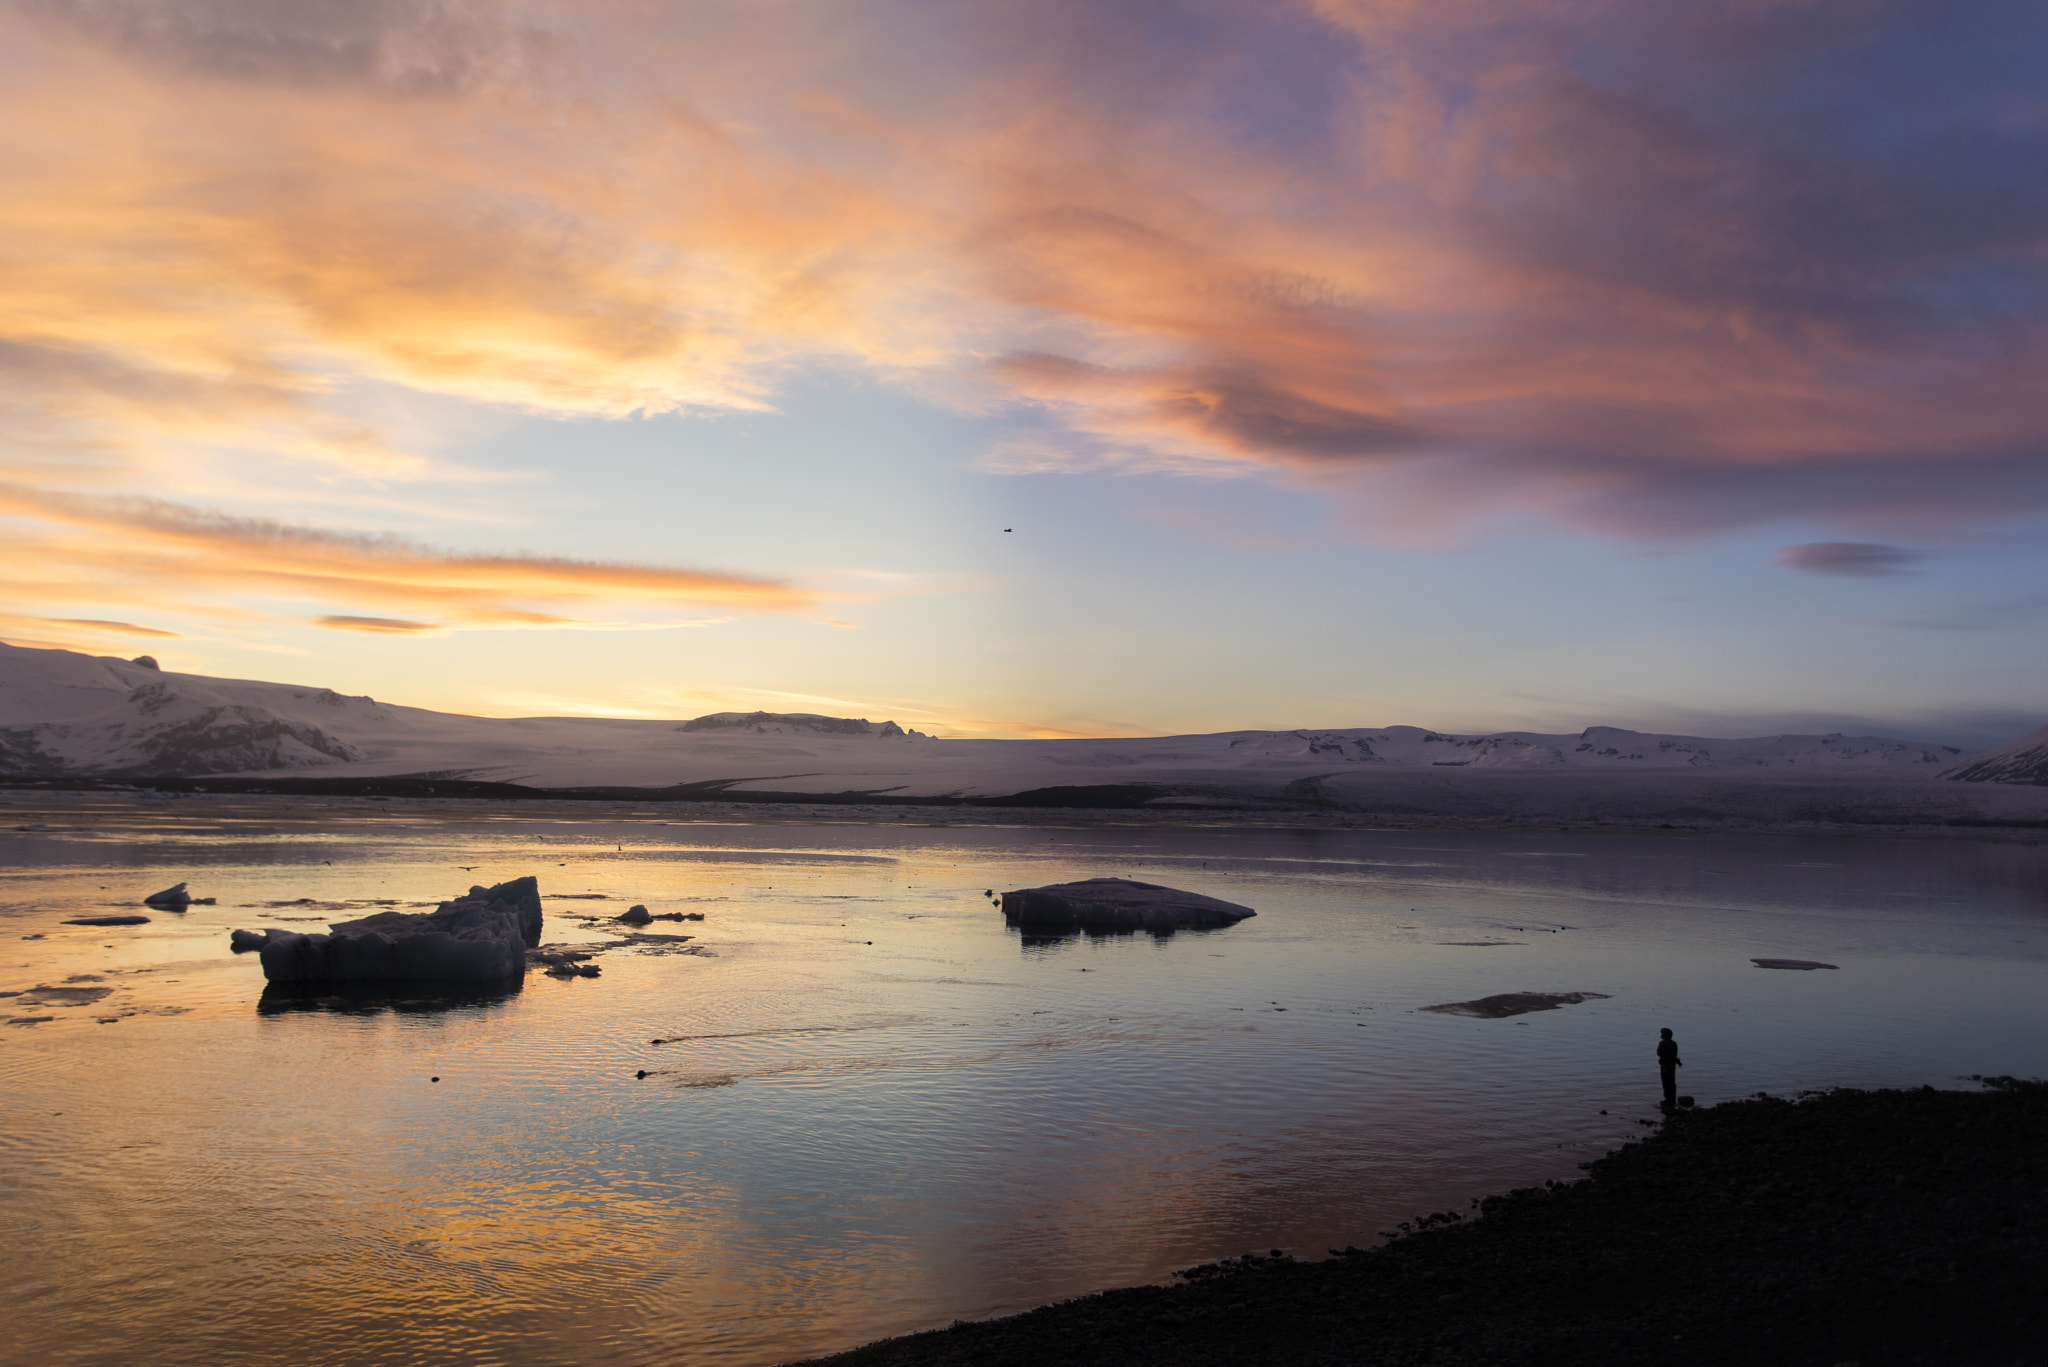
[
  {"x": 469, "y": 868},
  {"x": 1009, "y": 529}
]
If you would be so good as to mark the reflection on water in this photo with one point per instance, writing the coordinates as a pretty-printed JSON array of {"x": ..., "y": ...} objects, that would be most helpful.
[
  {"x": 864, "y": 1105},
  {"x": 1041, "y": 938},
  {"x": 369, "y": 999}
]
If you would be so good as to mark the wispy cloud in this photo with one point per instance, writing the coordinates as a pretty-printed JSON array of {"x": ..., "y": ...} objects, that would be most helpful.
[
  {"x": 117, "y": 628},
  {"x": 90, "y": 635},
  {"x": 1850, "y": 559},
  {"x": 394, "y": 626},
  {"x": 2016, "y": 612},
  {"x": 148, "y": 550}
]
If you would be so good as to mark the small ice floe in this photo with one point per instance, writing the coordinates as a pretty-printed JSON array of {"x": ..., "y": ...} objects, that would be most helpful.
[
  {"x": 1117, "y": 904},
  {"x": 1800, "y": 965},
  {"x": 61, "y": 996},
  {"x": 173, "y": 898},
  {"x": 1514, "y": 1004},
  {"x": 108, "y": 921},
  {"x": 667, "y": 944},
  {"x": 563, "y": 962},
  {"x": 654, "y": 945},
  {"x": 637, "y": 915},
  {"x": 482, "y": 937}
]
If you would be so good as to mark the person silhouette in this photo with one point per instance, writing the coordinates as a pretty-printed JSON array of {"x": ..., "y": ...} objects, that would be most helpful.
[{"x": 1668, "y": 1064}]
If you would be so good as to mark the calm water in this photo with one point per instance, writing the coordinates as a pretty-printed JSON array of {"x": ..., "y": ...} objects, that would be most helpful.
[{"x": 878, "y": 1109}]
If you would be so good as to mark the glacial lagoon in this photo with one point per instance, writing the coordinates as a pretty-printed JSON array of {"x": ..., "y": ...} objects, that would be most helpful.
[{"x": 868, "y": 1106}]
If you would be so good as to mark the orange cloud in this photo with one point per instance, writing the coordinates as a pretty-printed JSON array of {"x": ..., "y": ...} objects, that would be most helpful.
[
  {"x": 377, "y": 625},
  {"x": 117, "y": 628},
  {"x": 72, "y": 633},
  {"x": 138, "y": 544}
]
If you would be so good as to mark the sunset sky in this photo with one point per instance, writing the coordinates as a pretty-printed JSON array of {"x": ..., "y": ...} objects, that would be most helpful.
[{"x": 1463, "y": 363}]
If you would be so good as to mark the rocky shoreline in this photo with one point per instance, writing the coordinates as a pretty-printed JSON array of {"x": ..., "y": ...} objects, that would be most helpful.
[{"x": 1847, "y": 1227}]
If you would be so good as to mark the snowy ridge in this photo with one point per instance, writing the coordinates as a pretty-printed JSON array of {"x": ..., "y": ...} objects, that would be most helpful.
[
  {"x": 67, "y": 714},
  {"x": 2024, "y": 760},
  {"x": 1597, "y": 747}
]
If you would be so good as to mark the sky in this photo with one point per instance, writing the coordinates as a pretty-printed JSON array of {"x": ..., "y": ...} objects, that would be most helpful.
[{"x": 1037, "y": 369}]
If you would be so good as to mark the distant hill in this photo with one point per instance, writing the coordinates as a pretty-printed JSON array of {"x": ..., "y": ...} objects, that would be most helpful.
[
  {"x": 64, "y": 714},
  {"x": 2017, "y": 761}
]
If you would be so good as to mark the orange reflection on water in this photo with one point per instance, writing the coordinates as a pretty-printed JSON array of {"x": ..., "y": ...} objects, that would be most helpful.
[{"x": 871, "y": 1107}]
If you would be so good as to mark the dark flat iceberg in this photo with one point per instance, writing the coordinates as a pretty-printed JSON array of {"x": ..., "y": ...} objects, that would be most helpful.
[
  {"x": 480, "y": 938},
  {"x": 1117, "y": 904},
  {"x": 1507, "y": 1004}
]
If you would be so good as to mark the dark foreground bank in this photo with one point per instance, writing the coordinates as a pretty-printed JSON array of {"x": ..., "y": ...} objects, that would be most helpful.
[{"x": 1850, "y": 1227}]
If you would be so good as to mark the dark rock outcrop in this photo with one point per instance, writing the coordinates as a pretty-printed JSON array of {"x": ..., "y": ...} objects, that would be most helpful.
[{"x": 1117, "y": 904}]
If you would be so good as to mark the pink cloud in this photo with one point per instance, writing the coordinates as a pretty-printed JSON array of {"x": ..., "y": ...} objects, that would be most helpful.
[{"x": 1650, "y": 269}]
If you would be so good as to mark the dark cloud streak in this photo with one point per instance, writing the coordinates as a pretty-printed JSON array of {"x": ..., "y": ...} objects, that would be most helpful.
[{"x": 1849, "y": 559}]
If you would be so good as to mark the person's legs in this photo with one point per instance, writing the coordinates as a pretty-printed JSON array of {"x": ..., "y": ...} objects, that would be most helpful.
[{"x": 1670, "y": 1077}]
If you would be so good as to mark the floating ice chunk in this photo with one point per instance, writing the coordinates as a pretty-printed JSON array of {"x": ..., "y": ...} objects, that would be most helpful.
[
  {"x": 1506, "y": 1004},
  {"x": 1117, "y": 904},
  {"x": 637, "y": 915},
  {"x": 520, "y": 894},
  {"x": 479, "y": 938},
  {"x": 62, "y": 996},
  {"x": 173, "y": 898}
]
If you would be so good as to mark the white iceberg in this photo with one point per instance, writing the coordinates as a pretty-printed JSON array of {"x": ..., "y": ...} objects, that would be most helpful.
[
  {"x": 1117, "y": 904},
  {"x": 482, "y": 937}
]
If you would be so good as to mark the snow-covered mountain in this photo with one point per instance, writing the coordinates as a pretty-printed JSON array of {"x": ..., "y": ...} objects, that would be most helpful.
[
  {"x": 67, "y": 714},
  {"x": 2024, "y": 760}
]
